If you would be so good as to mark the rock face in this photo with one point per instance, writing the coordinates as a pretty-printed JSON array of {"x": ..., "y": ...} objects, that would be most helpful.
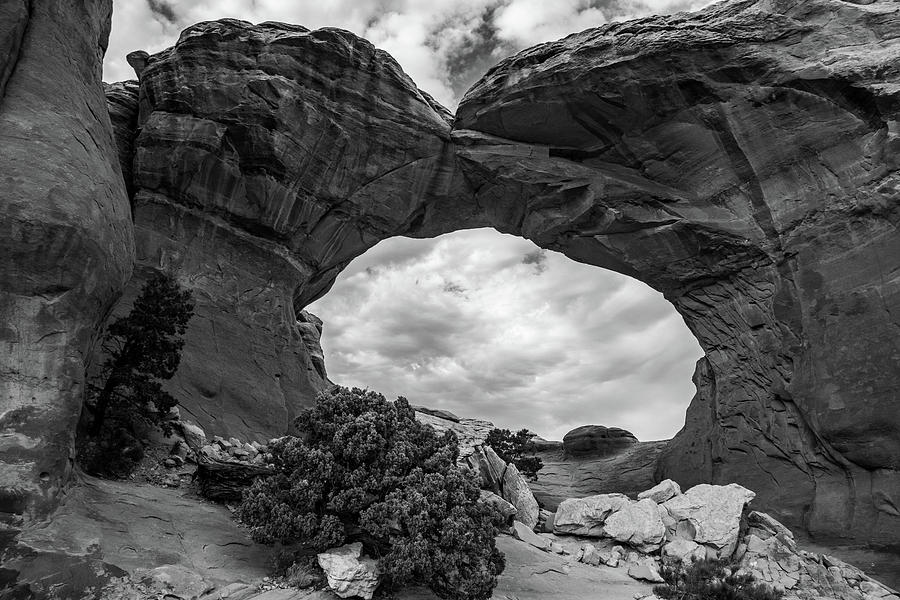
[
  {"x": 715, "y": 157},
  {"x": 630, "y": 472},
  {"x": 65, "y": 237},
  {"x": 742, "y": 160},
  {"x": 597, "y": 441}
]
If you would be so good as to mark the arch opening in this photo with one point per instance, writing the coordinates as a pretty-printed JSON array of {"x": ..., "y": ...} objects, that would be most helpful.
[{"x": 490, "y": 326}]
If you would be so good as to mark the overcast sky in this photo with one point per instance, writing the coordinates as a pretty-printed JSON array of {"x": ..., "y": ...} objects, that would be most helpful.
[{"x": 482, "y": 324}]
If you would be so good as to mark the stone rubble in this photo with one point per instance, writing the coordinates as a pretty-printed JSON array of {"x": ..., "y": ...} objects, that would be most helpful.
[{"x": 348, "y": 572}]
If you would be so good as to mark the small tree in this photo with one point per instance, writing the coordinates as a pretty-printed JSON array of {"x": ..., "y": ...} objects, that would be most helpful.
[
  {"x": 364, "y": 469},
  {"x": 710, "y": 579},
  {"x": 143, "y": 349},
  {"x": 513, "y": 447}
]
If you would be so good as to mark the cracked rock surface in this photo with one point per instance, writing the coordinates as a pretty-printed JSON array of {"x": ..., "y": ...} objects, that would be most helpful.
[{"x": 741, "y": 160}]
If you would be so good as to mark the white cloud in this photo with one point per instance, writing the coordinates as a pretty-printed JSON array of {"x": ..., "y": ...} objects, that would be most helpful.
[
  {"x": 466, "y": 323},
  {"x": 433, "y": 40}
]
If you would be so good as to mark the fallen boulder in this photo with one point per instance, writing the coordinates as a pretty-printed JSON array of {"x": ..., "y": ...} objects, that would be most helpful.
[
  {"x": 637, "y": 524},
  {"x": 517, "y": 493},
  {"x": 662, "y": 491},
  {"x": 348, "y": 573},
  {"x": 586, "y": 516},
  {"x": 710, "y": 515}
]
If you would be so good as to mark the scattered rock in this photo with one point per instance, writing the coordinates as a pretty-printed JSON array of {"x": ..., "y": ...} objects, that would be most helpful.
[
  {"x": 710, "y": 515},
  {"x": 505, "y": 508},
  {"x": 175, "y": 580},
  {"x": 194, "y": 436},
  {"x": 686, "y": 551},
  {"x": 662, "y": 491},
  {"x": 585, "y": 516},
  {"x": 545, "y": 521},
  {"x": 348, "y": 573},
  {"x": 645, "y": 569},
  {"x": 524, "y": 533}
]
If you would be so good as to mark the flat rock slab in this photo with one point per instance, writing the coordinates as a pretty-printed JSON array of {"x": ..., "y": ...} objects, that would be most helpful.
[
  {"x": 139, "y": 526},
  {"x": 629, "y": 472}
]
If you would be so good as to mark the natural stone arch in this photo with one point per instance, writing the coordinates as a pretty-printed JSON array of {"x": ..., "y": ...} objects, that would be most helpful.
[{"x": 679, "y": 150}]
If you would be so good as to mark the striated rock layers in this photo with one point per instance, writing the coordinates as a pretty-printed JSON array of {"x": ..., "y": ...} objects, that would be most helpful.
[
  {"x": 265, "y": 158},
  {"x": 66, "y": 244},
  {"x": 742, "y": 160}
]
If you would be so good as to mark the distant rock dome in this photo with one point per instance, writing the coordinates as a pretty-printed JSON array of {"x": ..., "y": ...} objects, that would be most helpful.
[{"x": 597, "y": 440}]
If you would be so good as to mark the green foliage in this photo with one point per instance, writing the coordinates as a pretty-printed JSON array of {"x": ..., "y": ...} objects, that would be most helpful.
[
  {"x": 513, "y": 447},
  {"x": 365, "y": 470},
  {"x": 143, "y": 349},
  {"x": 710, "y": 580}
]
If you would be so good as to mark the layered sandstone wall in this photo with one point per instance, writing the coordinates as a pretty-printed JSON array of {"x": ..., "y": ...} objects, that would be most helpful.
[
  {"x": 66, "y": 245},
  {"x": 743, "y": 161}
]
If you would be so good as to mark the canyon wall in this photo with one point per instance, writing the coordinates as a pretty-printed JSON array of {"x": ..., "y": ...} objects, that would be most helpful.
[
  {"x": 741, "y": 160},
  {"x": 66, "y": 239}
]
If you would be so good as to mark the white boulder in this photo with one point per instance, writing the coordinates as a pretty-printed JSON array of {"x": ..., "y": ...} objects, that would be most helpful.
[
  {"x": 524, "y": 533},
  {"x": 638, "y": 524},
  {"x": 710, "y": 515},
  {"x": 586, "y": 516},
  {"x": 662, "y": 491},
  {"x": 517, "y": 492},
  {"x": 348, "y": 573}
]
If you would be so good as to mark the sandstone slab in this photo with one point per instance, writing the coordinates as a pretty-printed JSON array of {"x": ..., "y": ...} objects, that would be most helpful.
[
  {"x": 710, "y": 515},
  {"x": 586, "y": 516},
  {"x": 637, "y": 524},
  {"x": 662, "y": 491},
  {"x": 66, "y": 238}
]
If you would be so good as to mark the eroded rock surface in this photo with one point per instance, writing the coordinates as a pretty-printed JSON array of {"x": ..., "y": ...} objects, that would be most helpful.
[
  {"x": 740, "y": 160},
  {"x": 65, "y": 237}
]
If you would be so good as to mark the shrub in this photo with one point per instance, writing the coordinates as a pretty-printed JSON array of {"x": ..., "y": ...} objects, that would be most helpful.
[
  {"x": 365, "y": 470},
  {"x": 513, "y": 447},
  {"x": 142, "y": 349},
  {"x": 710, "y": 580}
]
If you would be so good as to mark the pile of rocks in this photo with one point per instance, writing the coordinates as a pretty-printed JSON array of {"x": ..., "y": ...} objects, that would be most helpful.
[
  {"x": 706, "y": 521},
  {"x": 236, "y": 451}
]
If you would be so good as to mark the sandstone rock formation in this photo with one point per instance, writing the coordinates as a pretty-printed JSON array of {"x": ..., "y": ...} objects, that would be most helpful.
[
  {"x": 717, "y": 157},
  {"x": 709, "y": 515},
  {"x": 741, "y": 160},
  {"x": 66, "y": 238},
  {"x": 629, "y": 472},
  {"x": 597, "y": 440}
]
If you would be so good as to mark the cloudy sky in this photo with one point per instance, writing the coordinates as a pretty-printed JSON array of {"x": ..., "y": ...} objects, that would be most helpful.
[{"x": 482, "y": 324}]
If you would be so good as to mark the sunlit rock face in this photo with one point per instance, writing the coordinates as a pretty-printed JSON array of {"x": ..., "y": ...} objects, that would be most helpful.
[
  {"x": 65, "y": 237},
  {"x": 740, "y": 160},
  {"x": 743, "y": 161}
]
